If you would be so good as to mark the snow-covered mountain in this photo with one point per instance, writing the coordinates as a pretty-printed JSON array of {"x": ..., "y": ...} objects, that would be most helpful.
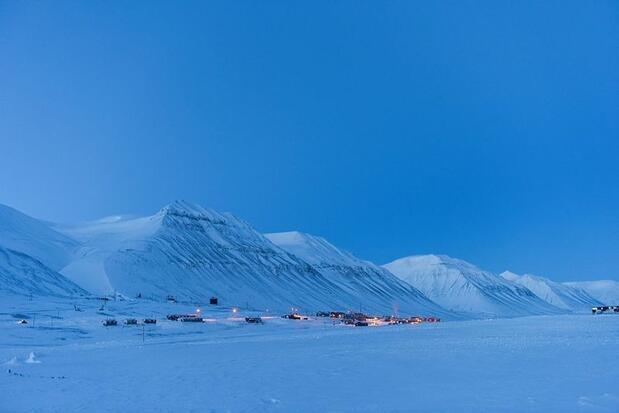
[
  {"x": 376, "y": 289},
  {"x": 459, "y": 285},
  {"x": 31, "y": 253},
  {"x": 605, "y": 291},
  {"x": 560, "y": 295},
  {"x": 21, "y": 274},
  {"x": 194, "y": 253},
  {"x": 19, "y": 232}
]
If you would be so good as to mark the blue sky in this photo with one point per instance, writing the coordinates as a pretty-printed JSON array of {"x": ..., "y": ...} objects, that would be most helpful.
[{"x": 486, "y": 130}]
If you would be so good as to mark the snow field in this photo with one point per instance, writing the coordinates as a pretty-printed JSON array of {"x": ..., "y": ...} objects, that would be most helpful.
[{"x": 563, "y": 363}]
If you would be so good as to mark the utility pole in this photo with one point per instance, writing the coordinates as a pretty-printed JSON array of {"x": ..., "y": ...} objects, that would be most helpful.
[{"x": 143, "y": 333}]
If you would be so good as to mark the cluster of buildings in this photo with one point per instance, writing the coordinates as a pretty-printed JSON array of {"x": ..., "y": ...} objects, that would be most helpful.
[{"x": 605, "y": 309}]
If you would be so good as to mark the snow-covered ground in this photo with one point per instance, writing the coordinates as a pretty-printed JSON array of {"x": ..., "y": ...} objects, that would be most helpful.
[{"x": 68, "y": 361}]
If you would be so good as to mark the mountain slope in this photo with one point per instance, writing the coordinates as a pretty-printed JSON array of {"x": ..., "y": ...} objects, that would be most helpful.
[
  {"x": 24, "y": 275},
  {"x": 19, "y": 232},
  {"x": 560, "y": 295},
  {"x": 459, "y": 285},
  {"x": 605, "y": 291},
  {"x": 193, "y": 253},
  {"x": 376, "y": 289}
]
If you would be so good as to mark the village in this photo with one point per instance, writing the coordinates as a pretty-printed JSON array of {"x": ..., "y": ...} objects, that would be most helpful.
[
  {"x": 346, "y": 318},
  {"x": 213, "y": 313},
  {"x": 216, "y": 313}
]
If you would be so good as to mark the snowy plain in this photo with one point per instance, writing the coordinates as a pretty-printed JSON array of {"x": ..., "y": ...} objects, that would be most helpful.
[{"x": 64, "y": 360}]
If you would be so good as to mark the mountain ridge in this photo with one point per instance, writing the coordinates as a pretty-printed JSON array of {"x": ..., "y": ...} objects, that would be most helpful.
[
  {"x": 461, "y": 286},
  {"x": 560, "y": 295},
  {"x": 372, "y": 284}
]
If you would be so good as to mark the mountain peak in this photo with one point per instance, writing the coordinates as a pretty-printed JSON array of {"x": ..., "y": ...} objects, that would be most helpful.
[
  {"x": 188, "y": 210},
  {"x": 511, "y": 276},
  {"x": 433, "y": 260},
  {"x": 292, "y": 237},
  {"x": 183, "y": 207},
  {"x": 311, "y": 248}
]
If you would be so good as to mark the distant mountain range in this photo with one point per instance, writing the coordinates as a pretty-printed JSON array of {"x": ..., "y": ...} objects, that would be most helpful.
[
  {"x": 572, "y": 298},
  {"x": 194, "y": 253},
  {"x": 605, "y": 291},
  {"x": 460, "y": 286}
]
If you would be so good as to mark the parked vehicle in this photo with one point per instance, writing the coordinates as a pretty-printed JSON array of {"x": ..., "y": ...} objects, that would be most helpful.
[
  {"x": 361, "y": 324},
  {"x": 150, "y": 321},
  {"x": 110, "y": 322},
  {"x": 253, "y": 320},
  {"x": 295, "y": 316},
  {"x": 323, "y": 314},
  {"x": 131, "y": 322}
]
